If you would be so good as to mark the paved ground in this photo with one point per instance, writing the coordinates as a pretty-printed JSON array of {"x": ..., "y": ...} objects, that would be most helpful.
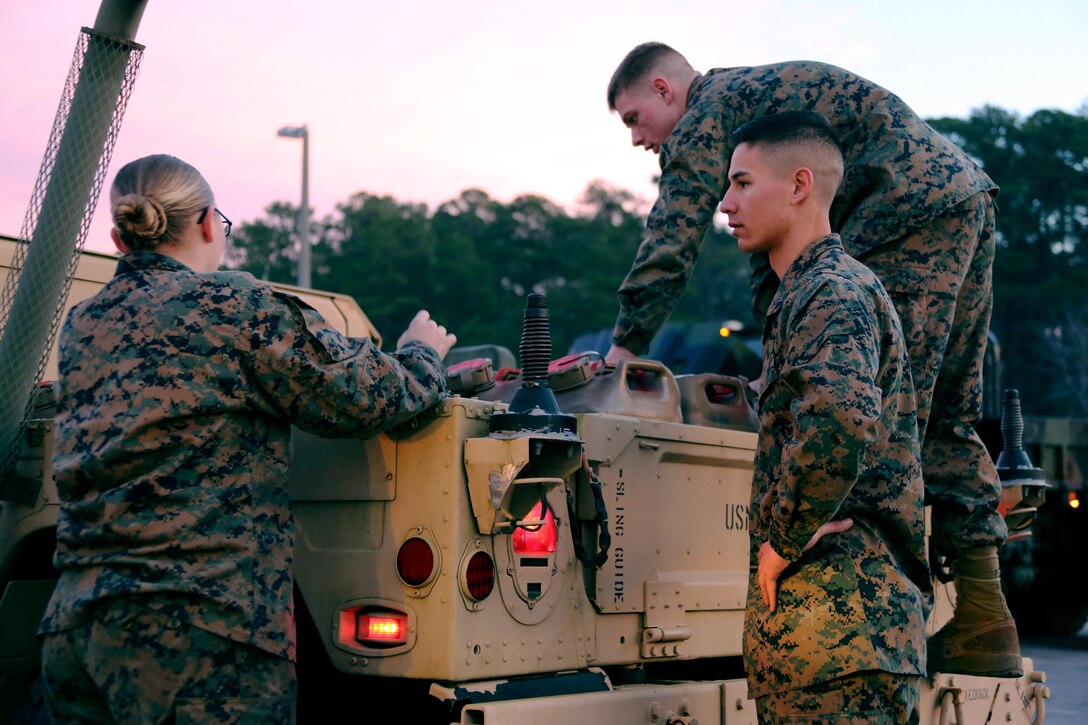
[{"x": 1065, "y": 662}]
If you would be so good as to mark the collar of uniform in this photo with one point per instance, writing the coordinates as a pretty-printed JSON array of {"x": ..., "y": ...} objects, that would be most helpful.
[
  {"x": 695, "y": 89},
  {"x": 808, "y": 259},
  {"x": 137, "y": 261}
]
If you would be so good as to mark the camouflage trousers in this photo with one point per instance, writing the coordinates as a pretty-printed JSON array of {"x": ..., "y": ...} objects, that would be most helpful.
[
  {"x": 131, "y": 664},
  {"x": 879, "y": 698},
  {"x": 940, "y": 279}
]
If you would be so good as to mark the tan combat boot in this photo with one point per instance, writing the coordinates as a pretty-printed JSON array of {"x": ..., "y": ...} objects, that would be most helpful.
[{"x": 980, "y": 639}]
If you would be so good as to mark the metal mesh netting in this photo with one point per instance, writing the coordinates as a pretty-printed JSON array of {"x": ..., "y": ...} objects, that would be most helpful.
[{"x": 58, "y": 218}]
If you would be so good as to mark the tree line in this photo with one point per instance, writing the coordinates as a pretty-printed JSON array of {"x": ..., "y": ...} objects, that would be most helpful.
[{"x": 472, "y": 259}]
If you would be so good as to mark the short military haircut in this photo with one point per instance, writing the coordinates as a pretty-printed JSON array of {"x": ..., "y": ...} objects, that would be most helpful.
[
  {"x": 639, "y": 63},
  {"x": 806, "y": 131}
]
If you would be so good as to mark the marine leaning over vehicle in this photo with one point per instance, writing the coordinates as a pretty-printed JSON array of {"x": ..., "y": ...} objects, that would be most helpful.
[{"x": 912, "y": 207}]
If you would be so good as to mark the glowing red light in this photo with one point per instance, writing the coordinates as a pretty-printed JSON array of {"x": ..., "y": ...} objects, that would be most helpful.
[
  {"x": 539, "y": 539},
  {"x": 381, "y": 628}
]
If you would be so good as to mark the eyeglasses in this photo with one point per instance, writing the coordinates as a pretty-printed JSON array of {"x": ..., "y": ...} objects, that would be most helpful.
[{"x": 227, "y": 223}]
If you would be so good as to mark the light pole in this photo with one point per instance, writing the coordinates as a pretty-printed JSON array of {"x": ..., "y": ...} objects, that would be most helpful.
[{"x": 303, "y": 133}]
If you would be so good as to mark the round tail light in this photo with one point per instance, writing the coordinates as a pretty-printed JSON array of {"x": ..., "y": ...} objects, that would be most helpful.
[
  {"x": 416, "y": 562},
  {"x": 479, "y": 576}
]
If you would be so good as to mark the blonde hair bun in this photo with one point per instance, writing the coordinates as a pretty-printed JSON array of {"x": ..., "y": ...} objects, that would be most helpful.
[{"x": 139, "y": 217}]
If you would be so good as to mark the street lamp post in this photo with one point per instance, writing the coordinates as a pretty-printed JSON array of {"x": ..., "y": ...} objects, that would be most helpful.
[{"x": 303, "y": 133}]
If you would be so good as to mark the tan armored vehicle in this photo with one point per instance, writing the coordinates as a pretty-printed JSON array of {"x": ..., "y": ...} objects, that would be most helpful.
[
  {"x": 437, "y": 568},
  {"x": 508, "y": 557}
]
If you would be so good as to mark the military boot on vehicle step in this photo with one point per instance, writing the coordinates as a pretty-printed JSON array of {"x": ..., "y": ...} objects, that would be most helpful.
[{"x": 981, "y": 638}]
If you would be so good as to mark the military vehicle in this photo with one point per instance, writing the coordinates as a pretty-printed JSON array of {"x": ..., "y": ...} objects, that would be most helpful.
[
  {"x": 438, "y": 565},
  {"x": 1042, "y": 597},
  {"x": 568, "y": 542}
]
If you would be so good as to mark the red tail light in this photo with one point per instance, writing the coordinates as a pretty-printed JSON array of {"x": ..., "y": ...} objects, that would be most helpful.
[
  {"x": 479, "y": 576},
  {"x": 540, "y": 538},
  {"x": 415, "y": 562},
  {"x": 380, "y": 628}
]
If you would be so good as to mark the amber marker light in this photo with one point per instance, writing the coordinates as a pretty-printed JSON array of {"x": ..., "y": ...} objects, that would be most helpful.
[
  {"x": 1073, "y": 500},
  {"x": 728, "y": 327}
]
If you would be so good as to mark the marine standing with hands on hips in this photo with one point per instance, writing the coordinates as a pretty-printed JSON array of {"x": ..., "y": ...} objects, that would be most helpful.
[
  {"x": 913, "y": 208},
  {"x": 178, "y": 388},
  {"x": 834, "y": 626}
]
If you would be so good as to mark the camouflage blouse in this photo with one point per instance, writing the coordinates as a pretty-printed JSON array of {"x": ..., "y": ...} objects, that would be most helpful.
[
  {"x": 838, "y": 439},
  {"x": 177, "y": 395},
  {"x": 900, "y": 173}
]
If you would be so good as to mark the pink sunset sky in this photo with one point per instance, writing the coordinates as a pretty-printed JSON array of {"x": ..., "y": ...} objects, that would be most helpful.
[{"x": 420, "y": 100}]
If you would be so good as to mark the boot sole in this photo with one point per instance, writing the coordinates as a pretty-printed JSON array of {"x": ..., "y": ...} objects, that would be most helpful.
[{"x": 980, "y": 665}]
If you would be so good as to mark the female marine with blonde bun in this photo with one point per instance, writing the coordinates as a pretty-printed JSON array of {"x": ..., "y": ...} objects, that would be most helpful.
[{"x": 178, "y": 388}]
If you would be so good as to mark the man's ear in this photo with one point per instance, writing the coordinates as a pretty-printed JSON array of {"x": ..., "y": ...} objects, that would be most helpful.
[
  {"x": 803, "y": 184},
  {"x": 121, "y": 246},
  {"x": 662, "y": 87}
]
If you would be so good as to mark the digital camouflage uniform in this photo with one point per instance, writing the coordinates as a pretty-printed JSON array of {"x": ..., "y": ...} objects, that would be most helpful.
[
  {"x": 177, "y": 393},
  {"x": 838, "y": 439},
  {"x": 912, "y": 206}
]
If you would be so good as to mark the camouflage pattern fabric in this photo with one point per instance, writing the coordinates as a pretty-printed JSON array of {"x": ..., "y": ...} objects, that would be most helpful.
[
  {"x": 939, "y": 278},
  {"x": 132, "y": 664},
  {"x": 900, "y": 174},
  {"x": 874, "y": 698},
  {"x": 177, "y": 392},
  {"x": 908, "y": 195},
  {"x": 838, "y": 439}
]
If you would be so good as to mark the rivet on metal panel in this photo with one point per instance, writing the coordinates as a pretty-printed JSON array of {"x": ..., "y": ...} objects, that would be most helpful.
[
  {"x": 685, "y": 707},
  {"x": 654, "y": 712},
  {"x": 739, "y": 704}
]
